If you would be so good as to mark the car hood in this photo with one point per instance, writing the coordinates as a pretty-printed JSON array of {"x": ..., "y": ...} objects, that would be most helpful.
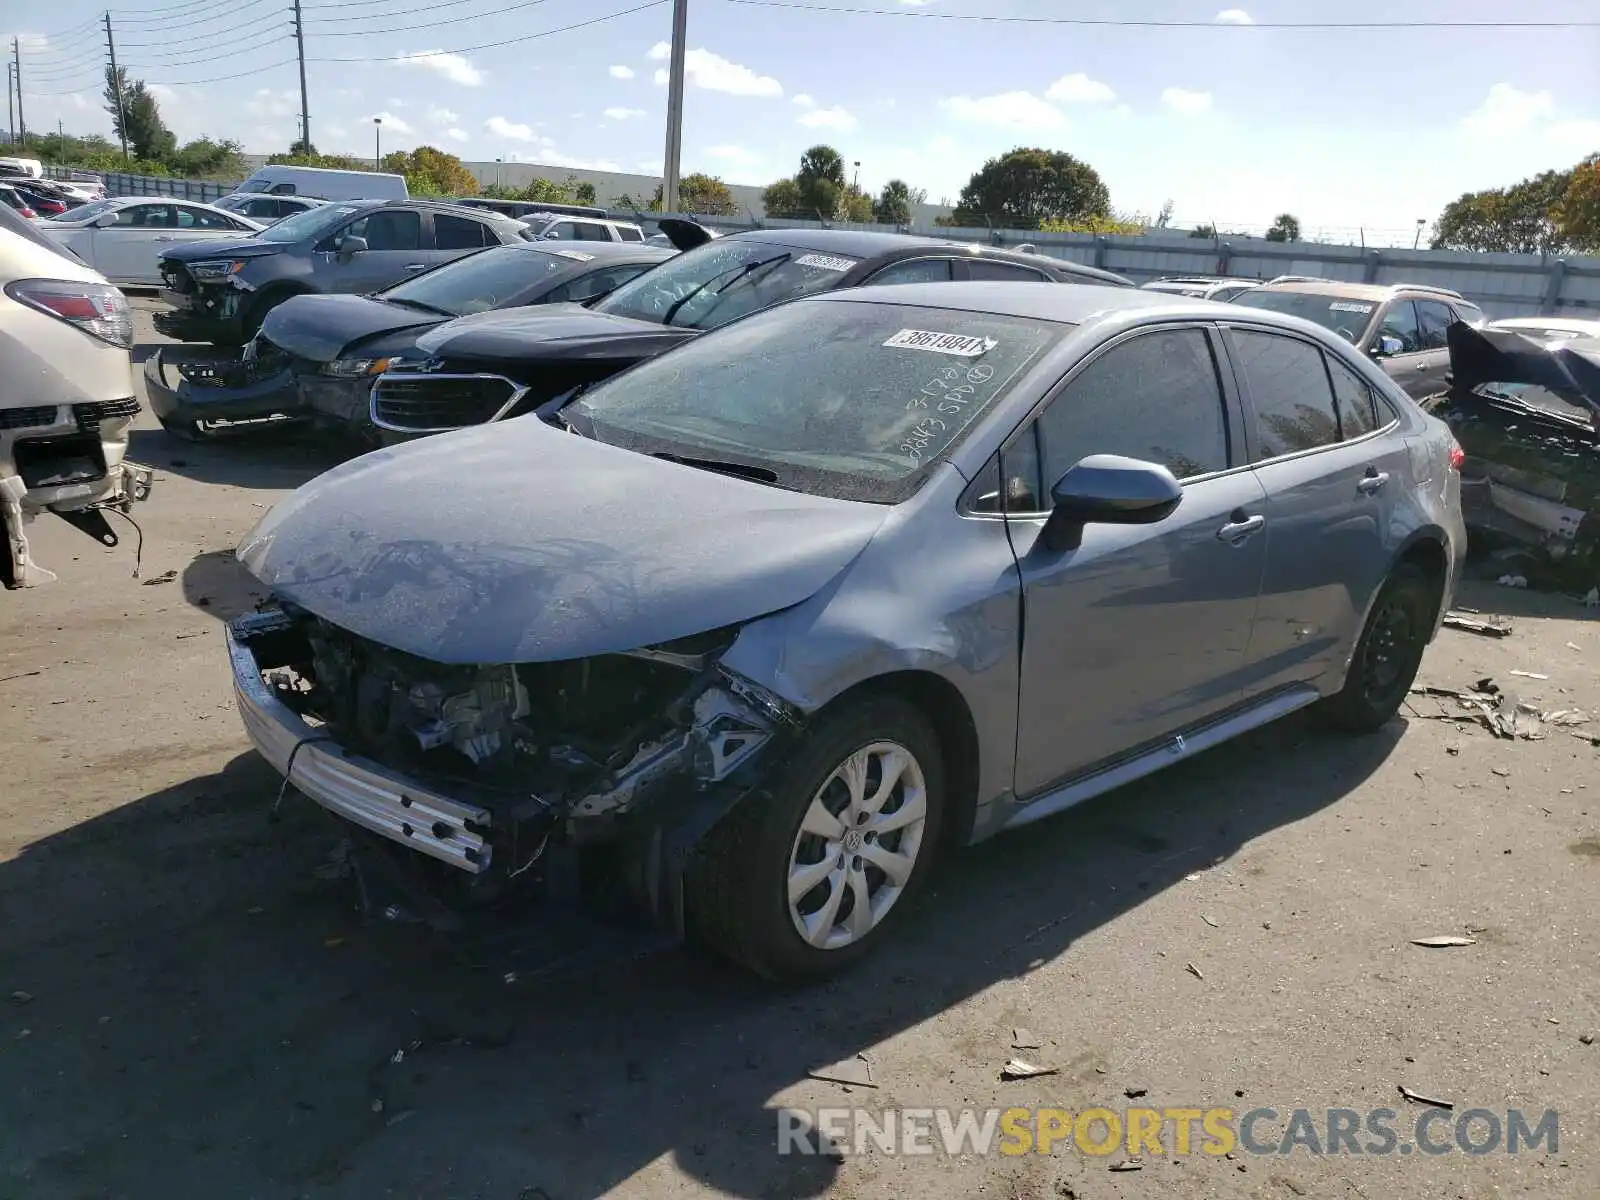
[
  {"x": 549, "y": 332},
  {"x": 517, "y": 542},
  {"x": 223, "y": 248},
  {"x": 320, "y": 327},
  {"x": 1570, "y": 368}
]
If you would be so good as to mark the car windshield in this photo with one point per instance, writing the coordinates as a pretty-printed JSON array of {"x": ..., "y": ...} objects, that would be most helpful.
[
  {"x": 730, "y": 277},
  {"x": 481, "y": 281},
  {"x": 86, "y": 212},
  {"x": 1347, "y": 317},
  {"x": 852, "y": 400},
  {"x": 311, "y": 223}
]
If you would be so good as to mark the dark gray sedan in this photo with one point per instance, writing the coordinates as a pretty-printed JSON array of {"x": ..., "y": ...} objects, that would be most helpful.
[{"x": 759, "y": 623}]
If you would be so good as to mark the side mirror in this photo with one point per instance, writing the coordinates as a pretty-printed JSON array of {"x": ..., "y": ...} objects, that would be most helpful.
[
  {"x": 1387, "y": 347},
  {"x": 105, "y": 221},
  {"x": 1108, "y": 489},
  {"x": 349, "y": 245}
]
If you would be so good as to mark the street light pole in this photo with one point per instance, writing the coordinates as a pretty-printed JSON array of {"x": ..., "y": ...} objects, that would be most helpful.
[
  {"x": 377, "y": 143},
  {"x": 855, "y": 184},
  {"x": 674, "y": 154},
  {"x": 1421, "y": 223}
]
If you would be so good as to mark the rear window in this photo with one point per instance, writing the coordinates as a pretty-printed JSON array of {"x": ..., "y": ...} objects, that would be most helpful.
[
  {"x": 1345, "y": 316},
  {"x": 481, "y": 281}
]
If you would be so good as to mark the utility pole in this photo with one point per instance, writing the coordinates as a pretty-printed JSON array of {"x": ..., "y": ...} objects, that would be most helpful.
[
  {"x": 300, "y": 48},
  {"x": 116, "y": 86},
  {"x": 22, "y": 121},
  {"x": 669, "y": 166},
  {"x": 11, "y": 108}
]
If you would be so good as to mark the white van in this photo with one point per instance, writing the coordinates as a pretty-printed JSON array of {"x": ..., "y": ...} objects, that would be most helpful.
[
  {"x": 26, "y": 166},
  {"x": 325, "y": 184}
]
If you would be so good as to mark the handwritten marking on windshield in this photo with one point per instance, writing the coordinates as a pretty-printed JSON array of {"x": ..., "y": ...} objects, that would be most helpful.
[
  {"x": 959, "y": 344},
  {"x": 921, "y": 437},
  {"x": 825, "y": 262}
]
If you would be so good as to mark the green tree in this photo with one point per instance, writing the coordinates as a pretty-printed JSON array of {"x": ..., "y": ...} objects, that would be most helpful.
[
  {"x": 1021, "y": 189},
  {"x": 547, "y": 191},
  {"x": 1285, "y": 229},
  {"x": 1579, "y": 210},
  {"x": 1203, "y": 231},
  {"x": 895, "y": 204},
  {"x": 1520, "y": 219},
  {"x": 582, "y": 191},
  {"x": 207, "y": 159},
  {"x": 783, "y": 199},
  {"x": 821, "y": 183},
  {"x": 856, "y": 206},
  {"x": 136, "y": 116},
  {"x": 431, "y": 172},
  {"x": 703, "y": 195}
]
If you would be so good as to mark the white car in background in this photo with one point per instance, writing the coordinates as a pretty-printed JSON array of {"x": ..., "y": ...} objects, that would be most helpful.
[
  {"x": 1550, "y": 329},
  {"x": 124, "y": 238},
  {"x": 66, "y": 396}
]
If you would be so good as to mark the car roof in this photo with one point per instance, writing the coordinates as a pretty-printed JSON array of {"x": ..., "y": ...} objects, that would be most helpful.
[
  {"x": 1333, "y": 287},
  {"x": 599, "y": 251},
  {"x": 1577, "y": 324},
  {"x": 1067, "y": 303}
]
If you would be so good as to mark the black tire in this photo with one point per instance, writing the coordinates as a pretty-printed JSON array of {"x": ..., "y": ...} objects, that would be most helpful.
[
  {"x": 1388, "y": 653},
  {"x": 737, "y": 887}
]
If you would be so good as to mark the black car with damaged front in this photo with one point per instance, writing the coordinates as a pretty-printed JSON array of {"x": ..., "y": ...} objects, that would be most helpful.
[{"x": 500, "y": 365}]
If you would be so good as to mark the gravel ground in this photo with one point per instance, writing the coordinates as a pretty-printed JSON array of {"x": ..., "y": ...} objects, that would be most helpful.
[{"x": 196, "y": 1012}]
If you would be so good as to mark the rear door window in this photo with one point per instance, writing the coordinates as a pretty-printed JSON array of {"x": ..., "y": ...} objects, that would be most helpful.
[
  {"x": 1400, "y": 323},
  {"x": 1290, "y": 392},
  {"x": 1353, "y": 399},
  {"x": 390, "y": 229},
  {"x": 459, "y": 233},
  {"x": 1155, "y": 398},
  {"x": 589, "y": 231},
  {"x": 1433, "y": 319},
  {"x": 914, "y": 270},
  {"x": 986, "y": 268}
]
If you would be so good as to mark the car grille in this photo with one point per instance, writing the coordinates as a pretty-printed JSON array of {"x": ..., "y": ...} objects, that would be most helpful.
[
  {"x": 89, "y": 416},
  {"x": 431, "y": 403},
  {"x": 27, "y": 418}
]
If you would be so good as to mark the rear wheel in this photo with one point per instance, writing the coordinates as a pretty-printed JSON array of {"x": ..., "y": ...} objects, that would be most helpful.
[
  {"x": 1389, "y": 653},
  {"x": 801, "y": 883}
]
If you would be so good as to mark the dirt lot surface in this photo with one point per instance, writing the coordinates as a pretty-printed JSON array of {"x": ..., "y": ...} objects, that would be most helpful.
[{"x": 196, "y": 1011}]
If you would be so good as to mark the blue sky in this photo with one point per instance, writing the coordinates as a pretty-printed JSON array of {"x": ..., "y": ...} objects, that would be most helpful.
[{"x": 1231, "y": 121}]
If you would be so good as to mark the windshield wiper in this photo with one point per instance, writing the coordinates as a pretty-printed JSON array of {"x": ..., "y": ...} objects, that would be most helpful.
[
  {"x": 721, "y": 466},
  {"x": 404, "y": 302},
  {"x": 742, "y": 272}
]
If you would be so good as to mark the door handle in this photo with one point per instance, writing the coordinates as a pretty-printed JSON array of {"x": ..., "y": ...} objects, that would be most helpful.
[
  {"x": 1372, "y": 482},
  {"x": 1240, "y": 527}
]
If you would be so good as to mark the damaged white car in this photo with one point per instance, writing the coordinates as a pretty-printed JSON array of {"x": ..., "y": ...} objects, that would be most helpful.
[{"x": 66, "y": 397}]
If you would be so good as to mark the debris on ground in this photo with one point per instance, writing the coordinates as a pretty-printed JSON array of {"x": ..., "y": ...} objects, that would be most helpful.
[
  {"x": 1500, "y": 771},
  {"x": 20, "y": 997},
  {"x": 1025, "y": 1039},
  {"x": 1513, "y": 581},
  {"x": 1495, "y": 627},
  {"x": 1019, "y": 1068},
  {"x": 852, "y": 1072},
  {"x": 1193, "y": 970},
  {"x": 1133, "y": 1093},
  {"x": 164, "y": 577},
  {"x": 1586, "y": 1038},
  {"x": 1128, "y": 1164},
  {"x": 1530, "y": 675},
  {"x": 23, "y": 675},
  {"x": 1443, "y": 940},
  {"x": 1210, "y": 920},
  {"x": 1501, "y": 713},
  {"x": 1419, "y": 1098}
]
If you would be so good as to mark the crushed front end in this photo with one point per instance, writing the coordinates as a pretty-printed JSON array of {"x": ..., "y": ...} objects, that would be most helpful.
[{"x": 490, "y": 774}]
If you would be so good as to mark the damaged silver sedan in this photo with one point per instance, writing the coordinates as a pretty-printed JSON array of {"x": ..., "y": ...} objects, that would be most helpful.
[{"x": 745, "y": 633}]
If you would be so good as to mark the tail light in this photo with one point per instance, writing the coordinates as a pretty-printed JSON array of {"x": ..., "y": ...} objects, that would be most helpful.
[
  {"x": 96, "y": 308},
  {"x": 27, "y": 213},
  {"x": 51, "y": 208},
  {"x": 1458, "y": 456}
]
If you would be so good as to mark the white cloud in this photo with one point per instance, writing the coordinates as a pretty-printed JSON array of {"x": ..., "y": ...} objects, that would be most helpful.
[
  {"x": 334, "y": 131},
  {"x": 396, "y": 102},
  {"x": 554, "y": 158},
  {"x": 734, "y": 154},
  {"x": 454, "y": 67},
  {"x": 650, "y": 166},
  {"x": 943, "y": 144},
  {"x": 829, "y": 118},
  {"x": 1078, "y": 88},
  {"x": 458, "y": 135},
  {"x": 1573, "y": 139},
  {"x": 713, "y": 73},
  {"x": 33, "y": 43},
  {"x": 621, "y": 72},
  {"x": 1186, "y": 103},
  {"x": 804, "y": 101},
  {"x": 1234, "y": 16},
  {"x": 510, "y": 130},
  {"x": 443, "y": 116},
  {"x": 391, "y": 123},
  {"x": 348, "y": 93},
  {"x": 1508, "y": 109},
  {"x": 268, "y": 103},
  {"x": 660, "y": 52},
  {"x": 622, "y": 114},
  {"x": 1008, "y": 110}
]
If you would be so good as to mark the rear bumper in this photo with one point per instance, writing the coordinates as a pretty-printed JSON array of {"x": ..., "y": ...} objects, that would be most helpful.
[
  {"x": 356, "y": 789},
  {"x": 203, "y": 315},
  {"x": 175, "y": 398}
]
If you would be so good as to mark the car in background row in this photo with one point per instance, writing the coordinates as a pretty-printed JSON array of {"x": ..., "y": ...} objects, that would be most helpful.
[
  {"x": 68, "y": 400},
  {"x": 124, "y": 238},
  {"x": 553, "y": 227},
  {"x": 12, "y": 198},
  {"x": 1525, "y": 408},
  {"x": 497, "y": 365},
  {"x": 316, "y": 356},
  {"x": 1202, "y": 287},
  {"x": 267, "y": 209},
  {"x": 771, "y": 617},
  {"x": 521, "y": 209},
  {"x": 1401, "y": 326},
  {"x": 324, "y": 183},
  {"x": 221, "y": 293},
  {"x": 1549, "y": 328}
]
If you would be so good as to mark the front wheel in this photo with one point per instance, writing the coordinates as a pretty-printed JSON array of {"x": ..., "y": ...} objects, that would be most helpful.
[
  {"x": 1389, "y": 653},
  {"x": 801, "y": 883}
]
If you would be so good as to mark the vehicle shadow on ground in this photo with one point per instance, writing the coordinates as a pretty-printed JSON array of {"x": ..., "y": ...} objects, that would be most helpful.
[
  {"x": 219, "y": 586},
  {"x": 1489, "y": 597},
  {"x": 271, "y": 459},
  {"x": 210, "y": 1017}
]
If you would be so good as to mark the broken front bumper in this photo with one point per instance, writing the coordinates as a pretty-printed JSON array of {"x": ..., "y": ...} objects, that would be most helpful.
[
  {"x": 357, "y": 789},
  {"x": 183, "y": 387},
  {"x": 206, "y": 314}
]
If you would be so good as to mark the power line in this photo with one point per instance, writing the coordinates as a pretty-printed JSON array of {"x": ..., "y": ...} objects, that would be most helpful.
[
  {"x": 201, "y": 16},
  {"x": 527, "y": 37},
  {"x": 231, "y": 15},
  {"x": 249, "y": 30},
  {"x": 194, "y": 56},
  {"x": 1123, "y": 23},
  {"x": 425, "y": 8}
]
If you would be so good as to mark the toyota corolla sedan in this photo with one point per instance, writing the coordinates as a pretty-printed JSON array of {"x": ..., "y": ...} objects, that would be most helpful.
[{"x": 753, "y": 628}]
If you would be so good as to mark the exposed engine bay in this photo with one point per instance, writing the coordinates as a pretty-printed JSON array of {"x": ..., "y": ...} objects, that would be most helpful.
[{"x": 574, "y": 754}]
